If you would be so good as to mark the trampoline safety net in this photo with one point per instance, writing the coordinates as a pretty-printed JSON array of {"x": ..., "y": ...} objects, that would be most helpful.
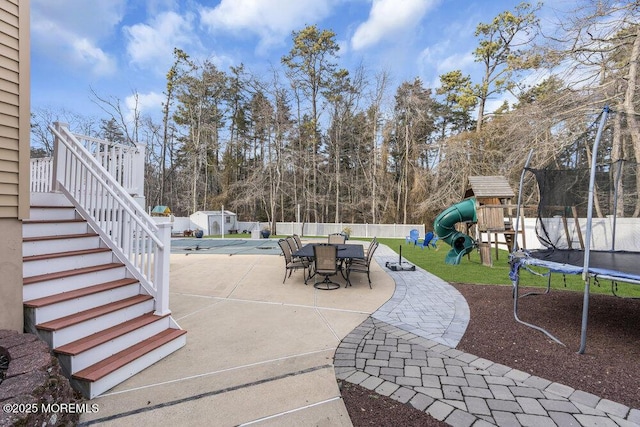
[{"x": 564, "y": 197}]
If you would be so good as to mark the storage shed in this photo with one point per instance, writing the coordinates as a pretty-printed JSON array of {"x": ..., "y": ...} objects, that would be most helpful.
[
  {"x": 495, "y": 208},
  {"x": 215, "y": 222}
]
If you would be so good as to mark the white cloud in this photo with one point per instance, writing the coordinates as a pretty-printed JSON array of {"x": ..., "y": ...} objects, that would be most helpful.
[
  {"x": 101, "y": 63},
  {"x": 271, "y": 20},
  {"x": 152, "y": 44},
  {"x": 457, "y": 61},
  {"x": 436, "y": 60},
  {"x": 389, "y": 17},
  {"x": 147, "y": 104},
  {"x": 154, "y": 7},
  {"x": 89, "y": 19},
  {"x": 75, "y": 37}
]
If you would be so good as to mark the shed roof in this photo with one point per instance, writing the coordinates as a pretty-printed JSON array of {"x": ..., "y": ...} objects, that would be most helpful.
[{"x": 489, "y": 186}]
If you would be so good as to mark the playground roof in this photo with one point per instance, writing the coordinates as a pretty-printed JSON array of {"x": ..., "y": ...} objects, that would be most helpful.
[
  {"x": 489, "y": 186},
  {"x": 161, "y": 210}
]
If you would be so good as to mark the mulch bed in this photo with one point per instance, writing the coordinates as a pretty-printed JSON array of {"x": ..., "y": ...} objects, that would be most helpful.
[
  {"x": 368, "y": 408},
  {"x": 610, "y": 367}
]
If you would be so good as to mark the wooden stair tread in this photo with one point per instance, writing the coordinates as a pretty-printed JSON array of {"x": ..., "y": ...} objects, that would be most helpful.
[
  {"x": 77, "y": 293},
  {"x": 52, "y": 221},
  {"x": 118, "y": 360},
  {"x": 82, "y": 316},
  {"x": 93, "y": 340},
  {"x": 69, "y": 273},
  {"x": 58, "y": 237},
  {"x": 65, "y": 254},
  {"x": 52, "y": 206}
]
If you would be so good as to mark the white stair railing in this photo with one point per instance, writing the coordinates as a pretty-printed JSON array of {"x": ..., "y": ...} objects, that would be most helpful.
[{"x": 126, "y": 228}]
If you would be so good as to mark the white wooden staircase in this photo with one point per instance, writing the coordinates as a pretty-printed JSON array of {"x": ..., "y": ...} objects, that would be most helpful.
[{"x": 83, "y": 301}]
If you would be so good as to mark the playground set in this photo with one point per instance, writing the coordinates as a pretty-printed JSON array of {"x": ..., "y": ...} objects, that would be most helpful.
[
  {"x": 586, "y": 220},
  {"x": 485, "y": 212}
]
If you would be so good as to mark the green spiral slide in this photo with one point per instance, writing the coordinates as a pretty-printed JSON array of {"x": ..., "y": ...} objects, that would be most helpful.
[{"x": 444, "y": 227}]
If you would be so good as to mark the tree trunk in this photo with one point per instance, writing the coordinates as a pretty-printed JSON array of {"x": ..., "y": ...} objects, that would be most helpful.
[{"x": 405, "y": 173}]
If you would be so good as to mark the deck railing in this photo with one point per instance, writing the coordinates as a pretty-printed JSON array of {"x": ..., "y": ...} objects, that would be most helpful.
[
  {"x": 41, "y": 175},
  {"x": 125, "y": 163},
  {"x": 127, "y": 229}
]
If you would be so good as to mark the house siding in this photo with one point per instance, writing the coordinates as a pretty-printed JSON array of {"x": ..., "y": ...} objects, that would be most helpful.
[{"x": 14, "y": 154}]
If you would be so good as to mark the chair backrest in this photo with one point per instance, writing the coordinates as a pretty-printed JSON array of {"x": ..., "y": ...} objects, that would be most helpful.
[
  {"x": 286, "y": 249},
  {"x": 371, "y": 244},
  {"x": 374, "y": 241},
  {"x": 337, "y": 239},
  {"x": 325, "y": 258},
  {"x": 296, "y": 238},
  {"x": 427, "y": 239},
  {"x": 414, "y": 235},
  {"x": 292, "y": 243},
  {"x": 372, "y": 249}
]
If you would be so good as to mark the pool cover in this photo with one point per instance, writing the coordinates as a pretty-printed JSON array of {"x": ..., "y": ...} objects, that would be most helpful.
[{"x": 225, "y": 246}]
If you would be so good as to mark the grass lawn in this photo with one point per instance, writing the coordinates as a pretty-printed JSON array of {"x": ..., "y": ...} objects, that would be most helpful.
[{"x": 471, "y": 270}]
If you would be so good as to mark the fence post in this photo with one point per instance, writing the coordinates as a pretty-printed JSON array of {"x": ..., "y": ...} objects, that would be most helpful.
[{"x": 162, "y": 270}]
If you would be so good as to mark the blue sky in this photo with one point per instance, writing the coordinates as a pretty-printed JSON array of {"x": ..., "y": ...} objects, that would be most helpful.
[{"x": 118, "y": 47}]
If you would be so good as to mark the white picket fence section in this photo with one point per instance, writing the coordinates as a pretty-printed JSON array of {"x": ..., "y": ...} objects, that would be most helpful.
[{"x": 326, "y": 228}]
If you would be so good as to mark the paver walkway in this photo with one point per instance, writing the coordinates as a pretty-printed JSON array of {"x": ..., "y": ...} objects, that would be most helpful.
[{"x": 406, "y": 350}]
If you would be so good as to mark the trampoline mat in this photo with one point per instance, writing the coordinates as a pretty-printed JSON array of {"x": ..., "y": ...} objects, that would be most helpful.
[
  {"x": 615, "y": 264},
  {"x": 225, "y": 246}
]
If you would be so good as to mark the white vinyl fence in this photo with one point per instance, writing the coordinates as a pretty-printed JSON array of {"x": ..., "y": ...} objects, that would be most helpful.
[{"x": 324, "y": 229}]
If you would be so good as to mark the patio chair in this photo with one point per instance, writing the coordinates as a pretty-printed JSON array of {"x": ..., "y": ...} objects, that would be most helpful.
[
  {"x": 296, "y": 245},
  {"x": 413, "y": 237},
  {"x": 290, "y": 263},
  {"x": 337, "y": 239},
  {"x": 429, "y": 240},
  {"x": 325, "y": 257},
  {"x": 362, "y": 266}
]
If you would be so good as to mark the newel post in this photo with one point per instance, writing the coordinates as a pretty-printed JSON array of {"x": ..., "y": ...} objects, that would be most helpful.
[
  {"x": 138, "y": 169},
  {"x": 162, "y": 270},
  {"x": 58, "y": 156}
]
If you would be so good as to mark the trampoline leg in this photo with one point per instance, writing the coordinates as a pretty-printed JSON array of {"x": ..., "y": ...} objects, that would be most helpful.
[
  {"x": 516, "y": 283},
  {"x": 585, "y": 315}
]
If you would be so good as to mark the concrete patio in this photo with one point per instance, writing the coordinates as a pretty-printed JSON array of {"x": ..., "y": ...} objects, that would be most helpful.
[
  {"x": 266, "y": 353},
  {"x": 258, "y": 350}
]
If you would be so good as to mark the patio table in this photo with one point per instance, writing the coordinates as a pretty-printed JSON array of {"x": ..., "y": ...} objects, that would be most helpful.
[{"x": 345, "y": 253}]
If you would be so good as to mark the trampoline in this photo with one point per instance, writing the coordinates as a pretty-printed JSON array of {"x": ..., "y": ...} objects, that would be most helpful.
[
  {"x": 587, "y": 216},
  {"x": 225, "y": 246}
]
